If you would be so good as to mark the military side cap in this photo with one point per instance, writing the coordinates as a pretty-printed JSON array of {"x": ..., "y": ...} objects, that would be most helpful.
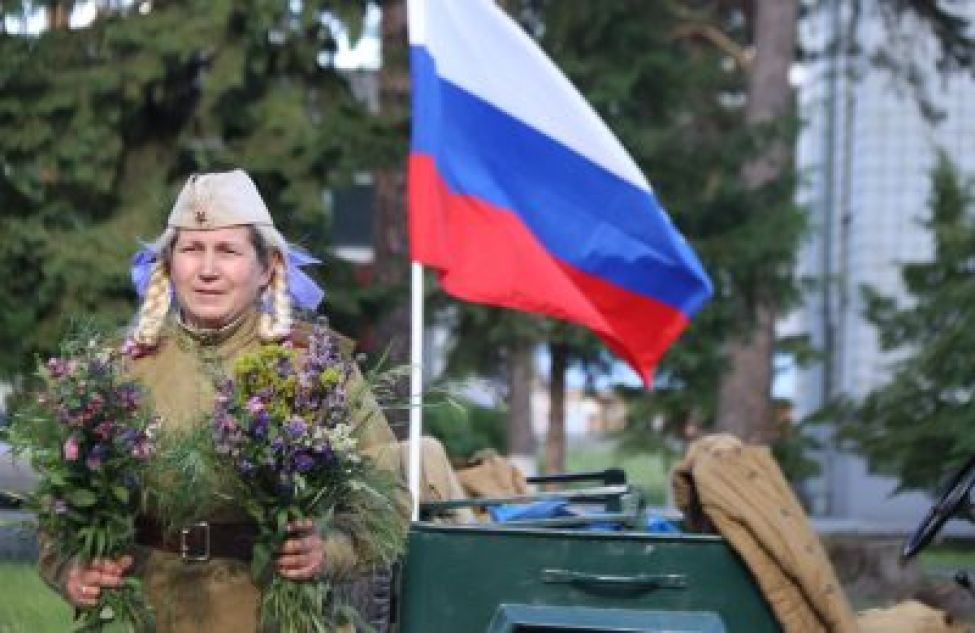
[{"x": 218, "y": 200}]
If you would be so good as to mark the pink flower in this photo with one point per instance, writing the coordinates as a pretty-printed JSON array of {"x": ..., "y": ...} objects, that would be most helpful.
[
  {"x": 129, "y": 346},
  {"x": 104, "y": 430},
  {"x": 71, "y": 448},
  {"x": 255, "y": 405},
  {"x": 134, "y": 350},
  {"x": 57, "y": 367},
  {"x": 141, "y": 450},
  {"x": 228, "y": 423},
  {"x": 96, "y": 402}
]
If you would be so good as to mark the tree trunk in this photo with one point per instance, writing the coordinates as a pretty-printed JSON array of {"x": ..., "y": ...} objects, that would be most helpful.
[
  {"x": 392, "y": 330},
  {"x": 555, "y": 440},
  {"x": 744, "y": 396},
  {"x": 59, "y": 15},
  {"x": 521, "y": 437},
  {"x": 389, "y": 234}
]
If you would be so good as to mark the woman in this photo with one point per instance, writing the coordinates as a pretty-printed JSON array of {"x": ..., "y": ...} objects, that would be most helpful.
[{"x": 220, "y": 286}]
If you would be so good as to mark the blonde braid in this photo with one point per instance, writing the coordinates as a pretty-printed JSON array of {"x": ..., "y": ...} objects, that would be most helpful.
[
  {"x": 154, "y": 308},
  {"x": 276, "y": 325}
]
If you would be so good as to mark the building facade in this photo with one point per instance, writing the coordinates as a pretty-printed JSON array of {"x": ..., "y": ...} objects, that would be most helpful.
[{"x": 864, "y": 156}]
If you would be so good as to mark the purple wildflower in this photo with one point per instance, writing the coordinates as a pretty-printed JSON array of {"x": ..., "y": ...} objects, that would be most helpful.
[
  {"x": 96, "y": 457},
  {"x": 128, "y": 396},
  {"x": 128, "y": 437},
  {"x": 284, "y": 367},
  {"x": 296, "y": 427},
  {"x": 97, "y": 367},
  {"x": 259, "y": 425},
  {"x": 303, "y": 462}
]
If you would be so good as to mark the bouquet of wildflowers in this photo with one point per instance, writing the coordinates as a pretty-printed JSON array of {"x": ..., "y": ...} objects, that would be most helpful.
[
  {"x": 285, "y": 420},
  {"x": 88, "y": 435}
]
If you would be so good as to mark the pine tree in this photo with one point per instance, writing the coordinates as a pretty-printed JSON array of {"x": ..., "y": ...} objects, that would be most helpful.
[
  {"x": 917, "y": 426},
  {"x": 99, "y": 127}
]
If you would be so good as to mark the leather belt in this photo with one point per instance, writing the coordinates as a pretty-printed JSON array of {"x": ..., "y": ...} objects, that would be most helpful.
[{"x": 199, "y": 542}]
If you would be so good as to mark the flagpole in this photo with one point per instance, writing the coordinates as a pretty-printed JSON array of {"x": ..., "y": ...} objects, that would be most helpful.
[{"x": 416, "y": 383}]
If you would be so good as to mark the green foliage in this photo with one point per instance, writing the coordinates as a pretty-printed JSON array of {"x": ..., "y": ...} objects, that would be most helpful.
[
  {"x": 648, "y": 472},
  {"x": 791, "y": 452},
  {"x": 465, "y": 428},
  {"x": 483, "y": 334},
  {"x": 656, "y": 423},
  {"x": 917, "y": 426},
  {"x": 186, "y": 480},
  {"x": 99, "y": 127},
  {"x": 675, "y": 105}
]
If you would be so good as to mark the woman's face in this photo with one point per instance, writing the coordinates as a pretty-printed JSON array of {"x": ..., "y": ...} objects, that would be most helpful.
[{"x": 216, "y": 274}]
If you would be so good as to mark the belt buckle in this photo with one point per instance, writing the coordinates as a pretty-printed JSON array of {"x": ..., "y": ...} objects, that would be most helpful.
[{"x": 186, "y": 552}]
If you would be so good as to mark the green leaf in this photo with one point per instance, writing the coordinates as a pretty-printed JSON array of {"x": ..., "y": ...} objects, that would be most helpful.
[
  {"x": 281, "y": 519},
  {"x": 121, "y": 493},
  {"x": 82, "y": 498},
  {"x": 261, "y": 564}
]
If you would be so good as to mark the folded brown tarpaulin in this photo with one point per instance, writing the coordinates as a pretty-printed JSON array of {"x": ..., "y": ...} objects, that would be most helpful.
[
  {"x": 740, "y": 491},
  {"x": 438, "y": 482},
  {"x": 492, "y": 476},
  {"x": 909, "y": 616}
]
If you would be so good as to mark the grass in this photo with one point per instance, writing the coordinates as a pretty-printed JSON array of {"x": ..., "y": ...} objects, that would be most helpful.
[
  {"x": 646, "y": 472},
  {"x": 948, "y": 557},
  {"x": 27, "y": 605}
]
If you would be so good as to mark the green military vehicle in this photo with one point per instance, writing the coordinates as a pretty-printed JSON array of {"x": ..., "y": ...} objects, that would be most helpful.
[
  {"x": 600, "y": 570},
  {"x": 548, "y": 575}
]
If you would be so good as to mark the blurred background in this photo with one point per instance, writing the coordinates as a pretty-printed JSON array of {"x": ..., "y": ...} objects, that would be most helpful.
[{"x": 820, "y": 162}]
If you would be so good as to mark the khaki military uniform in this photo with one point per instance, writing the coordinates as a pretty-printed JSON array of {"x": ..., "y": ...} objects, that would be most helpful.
[
  {"x": 740, "y": 490},
  {"x": 218, "y": 595}
]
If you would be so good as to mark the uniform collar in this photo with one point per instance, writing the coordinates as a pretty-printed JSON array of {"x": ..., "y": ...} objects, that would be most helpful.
[{"x": 234, "y": 335}]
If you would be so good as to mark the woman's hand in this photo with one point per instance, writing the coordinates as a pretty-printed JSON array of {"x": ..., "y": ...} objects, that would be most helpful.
[
  {"x": 302, "y": 557},
  {"x": 85, "y": 582}
]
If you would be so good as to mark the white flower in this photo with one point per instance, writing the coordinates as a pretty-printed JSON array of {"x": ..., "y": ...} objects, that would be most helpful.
[{"x": 342, "y": 441}]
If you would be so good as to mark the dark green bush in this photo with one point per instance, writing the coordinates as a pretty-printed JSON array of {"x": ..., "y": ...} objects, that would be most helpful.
[{"x": 464, "y": 428}]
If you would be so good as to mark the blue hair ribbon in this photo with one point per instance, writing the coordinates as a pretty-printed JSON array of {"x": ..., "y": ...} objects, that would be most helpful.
[{"x": 304, "y": 291}]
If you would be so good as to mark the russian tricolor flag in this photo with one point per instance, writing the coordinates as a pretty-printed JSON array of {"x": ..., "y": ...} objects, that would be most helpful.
[{"x": 520, "y": 196}]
